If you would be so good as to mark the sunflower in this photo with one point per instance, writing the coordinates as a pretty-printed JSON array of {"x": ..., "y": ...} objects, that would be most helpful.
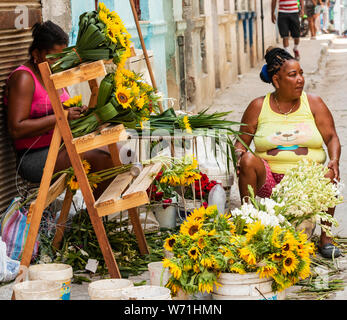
[
  {"x": 201, "y": 243},
  {"x": 169, "y": 243},
  {"x": 211, "y": 210},
  {"x": 140, "y": 102},
  {"x": 275, "y": 241},
  {"x": 252, "y": 229},
  {"x": 247, "y": 255},
  {"x": 267, "y": 271},
  {"x": 75, "y": 101},
  {"x": 282, "y": 282},
  {"x": 305, "y": 270},
  {"x": 190, "y": 227},
  {"x": 238, "y": 268},
  {"x": 193, "y": 253},
  {"x": 276, "y": 256},
  {"x": 187, "y": 265},
  {"x": 73, "y": 184},
  {"x": 206, "y": 262},
  {"x": 289, "y": 263},
  {"x": 198, "y": 214},
  {"x": 86, "y": 166},
  {"x": 175, "y": 270},
  {"x": 188, "y": 177},
  {"x": 187, "y": 124},
  {"x": 212, "y": 232},
  {"x": 123, "y": 97},
  {"x": 196, "y": 268},
  {"x": 205, "y": 286},
  {"x": 172, "y": 286}
]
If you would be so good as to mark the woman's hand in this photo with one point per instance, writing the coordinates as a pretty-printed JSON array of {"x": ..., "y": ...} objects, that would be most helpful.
[
  {"x": 334, "y": 166},
  {"x": 75, "y": 112},
  {"x": 239, "y": 154}
]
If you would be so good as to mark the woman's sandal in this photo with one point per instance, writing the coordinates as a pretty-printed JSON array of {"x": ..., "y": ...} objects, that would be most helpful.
[{"x": 329, "y": 251}]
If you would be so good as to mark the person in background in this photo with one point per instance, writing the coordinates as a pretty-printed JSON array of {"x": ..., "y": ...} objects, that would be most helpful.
[
  {"x": 286, "y": 114},
  {"x": 288, "y": 22},
  {"x": 331, "y": 10},
  {"x": 325, "y": 13},
  {"x": 30, "y": 116},
  {"x": 310, "y": 12}
]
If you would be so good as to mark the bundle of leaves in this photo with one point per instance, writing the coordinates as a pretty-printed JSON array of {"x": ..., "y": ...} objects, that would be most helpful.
[{"x": 101, "y": 36}]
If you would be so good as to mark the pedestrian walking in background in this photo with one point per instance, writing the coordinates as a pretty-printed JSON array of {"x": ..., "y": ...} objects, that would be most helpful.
[
  {"x": 325, "y": 12},
  {"x": 310, "y": 12},
  {"x": 331, "y": 10},
  {"x": 288, "y": 22}
]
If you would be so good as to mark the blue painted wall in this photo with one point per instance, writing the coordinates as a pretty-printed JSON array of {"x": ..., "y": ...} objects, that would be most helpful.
[{"x": 153, "y": 28}]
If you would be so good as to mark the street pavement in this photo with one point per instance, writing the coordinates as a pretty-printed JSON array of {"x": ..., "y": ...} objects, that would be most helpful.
[{"x": 325, "y": 69}]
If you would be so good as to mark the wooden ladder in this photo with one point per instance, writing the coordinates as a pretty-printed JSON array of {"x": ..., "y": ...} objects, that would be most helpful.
[{"x": 126, "y": 192}]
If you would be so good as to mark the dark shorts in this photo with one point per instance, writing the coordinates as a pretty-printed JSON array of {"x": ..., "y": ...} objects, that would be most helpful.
[
  {"x": 289, "y": 23},
  {"x": 309, "y": 10},
  {"x": 31, "y": 162}
]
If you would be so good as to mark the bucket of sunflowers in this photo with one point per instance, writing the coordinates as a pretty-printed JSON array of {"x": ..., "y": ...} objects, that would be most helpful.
[{"x": 251, "y": 253}]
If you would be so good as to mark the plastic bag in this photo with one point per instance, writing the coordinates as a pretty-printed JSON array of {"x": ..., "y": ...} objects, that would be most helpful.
[
  {"x": 14, "y": 230},
  {"x": 217, "y": 197},
  {"x": 8, "y": 268}
]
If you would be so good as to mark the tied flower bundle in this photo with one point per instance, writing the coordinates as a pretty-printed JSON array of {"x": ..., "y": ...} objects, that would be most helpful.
[
  {"x": 213, "y": 125},
  {"x": 308, "y": 194},
  {"x": 183, "y": 172},
  {"x": 180, "y": 172},
  {"x": 209, "y": 243},
  {"x": 123, "y": 98},
  {"x": 101, "y": 36},
  {"x": 202, "y": 188}
]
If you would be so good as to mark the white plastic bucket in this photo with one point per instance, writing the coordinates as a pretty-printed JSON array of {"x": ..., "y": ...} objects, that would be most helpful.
[
  {"x": 37, "y": 290},
  {"x": 59, "y": 272},
  {"x": 245, "y": 287},
  {"x": 108, "y": 289},
  {"x": 166, "y": 217},
  {"x": 158, "y": 275},
  {"x": 146, "y": 293}
]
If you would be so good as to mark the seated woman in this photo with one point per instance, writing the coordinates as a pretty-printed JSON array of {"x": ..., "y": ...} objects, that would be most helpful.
[
  {"x": 286, "y": 125},
  {"x": 30, "y": 116}
]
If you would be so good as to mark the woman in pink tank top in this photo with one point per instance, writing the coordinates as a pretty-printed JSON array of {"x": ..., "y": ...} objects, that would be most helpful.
[{"x": 31, "y": 119}]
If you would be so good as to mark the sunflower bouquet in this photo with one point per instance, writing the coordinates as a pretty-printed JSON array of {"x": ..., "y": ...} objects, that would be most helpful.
[
  {"x": 101, "y": 36},
  {"x": 123, "y": 98},
  {"x": 209, "y": 244},
  {"x": 308, "y": 194},
  {"x": 75, "y": 101}
]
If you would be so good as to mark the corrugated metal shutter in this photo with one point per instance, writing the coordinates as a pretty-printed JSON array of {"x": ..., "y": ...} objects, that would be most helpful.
[{"x": 14, "y": 44}]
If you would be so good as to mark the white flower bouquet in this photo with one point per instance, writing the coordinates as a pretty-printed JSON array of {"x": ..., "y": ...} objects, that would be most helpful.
[
  {"x": 308, "y": 194},
  {"x": 267, "y": 211}
]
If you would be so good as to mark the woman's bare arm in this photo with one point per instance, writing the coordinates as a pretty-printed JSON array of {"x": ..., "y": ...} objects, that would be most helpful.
[{"x": 326, "y": 126}]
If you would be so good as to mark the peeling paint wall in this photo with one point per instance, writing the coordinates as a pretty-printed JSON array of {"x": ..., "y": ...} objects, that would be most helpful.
[{"x": 59, "y": 12}]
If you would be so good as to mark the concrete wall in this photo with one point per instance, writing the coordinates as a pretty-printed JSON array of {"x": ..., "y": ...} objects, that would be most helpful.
[
  {"x": 59, "y": 13},
  {"x": 223, "y": 39}
]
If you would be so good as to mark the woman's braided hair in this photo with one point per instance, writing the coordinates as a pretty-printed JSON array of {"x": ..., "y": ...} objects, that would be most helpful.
[{"x": 275, "y": 58}]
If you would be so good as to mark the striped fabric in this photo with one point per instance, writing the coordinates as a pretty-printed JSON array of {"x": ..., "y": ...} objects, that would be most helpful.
[
  {"x": 14, "y": 230},
  {"x": 288, "y": 6}
]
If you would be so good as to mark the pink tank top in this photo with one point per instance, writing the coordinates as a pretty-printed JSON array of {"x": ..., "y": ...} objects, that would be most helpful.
[{"x": 40, "y": 107}]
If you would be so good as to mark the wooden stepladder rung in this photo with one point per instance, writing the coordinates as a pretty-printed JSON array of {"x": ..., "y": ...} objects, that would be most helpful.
[
  {"x": 106, "y": 136},
  {"x": 84, "y": 72},
  {"x": 54, "y": 191},
  {"x": 112, "y": 200}
]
